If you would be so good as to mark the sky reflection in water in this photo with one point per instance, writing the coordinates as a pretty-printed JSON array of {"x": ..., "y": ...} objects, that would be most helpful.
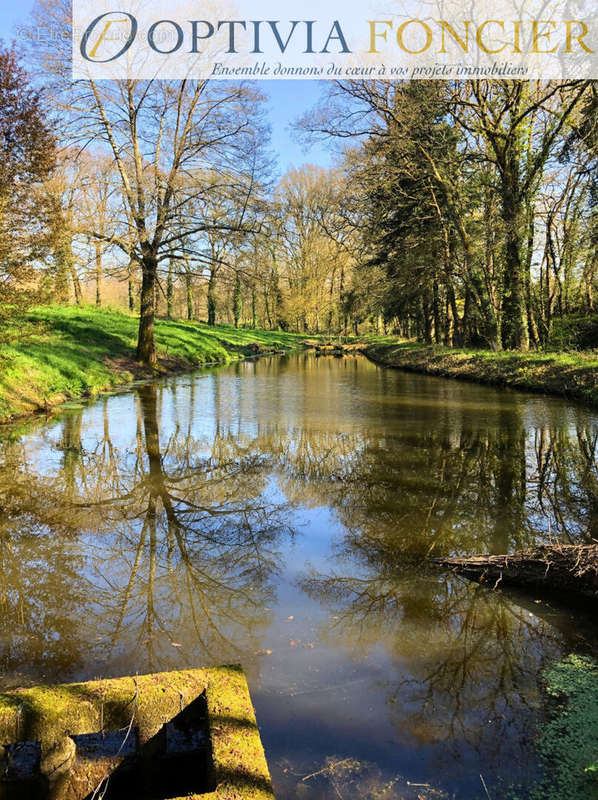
[{"x": 278, "y": 513}]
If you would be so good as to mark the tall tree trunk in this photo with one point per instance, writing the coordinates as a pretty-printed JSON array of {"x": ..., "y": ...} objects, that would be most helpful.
[
  {"x": 237, "y": 300},
  {"x": 532, "y": 328},
  {"x": 130, "y": 287},
  {"x": 514, "y": 322},
  {"x": 436, "y": 313},
  {"x": 146, "y": 345},
  {"x": 453, "y": 336},
  {"x": 331, "y": 301},
  {"x": 169, "y": 289},
  {"x": 98, "y": 249},
  {"x": 212, "y": 299},
  {"x": 76, "y": 284},
  {"x": 449, "y": 329},
  {"x": 589, "y": 294},
  {"x": 189, "y": 294},
  {"x": 341, "y": 303},
  {"x": 466, "y": 332},
  {"x": 493, "y": 334},
  {"x": 267, "y": 307},
  {"x": 61, "y": 281},
  {"x": 426, "y": 320}
]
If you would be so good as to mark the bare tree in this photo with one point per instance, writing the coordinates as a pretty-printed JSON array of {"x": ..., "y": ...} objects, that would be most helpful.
[{"x": 163, "y": 138}]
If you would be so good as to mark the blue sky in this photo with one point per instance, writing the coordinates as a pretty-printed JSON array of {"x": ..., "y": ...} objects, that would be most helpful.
[{"x": 288, "y": 99}]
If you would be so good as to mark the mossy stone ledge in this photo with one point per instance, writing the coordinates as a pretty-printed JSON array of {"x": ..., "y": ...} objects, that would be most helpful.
[{"x": 139, "y": 710}]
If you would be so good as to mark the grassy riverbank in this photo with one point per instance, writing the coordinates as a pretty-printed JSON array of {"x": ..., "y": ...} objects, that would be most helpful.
[
  {"x": 60, "y": 353},
  {"x": 571, "y": 375}
]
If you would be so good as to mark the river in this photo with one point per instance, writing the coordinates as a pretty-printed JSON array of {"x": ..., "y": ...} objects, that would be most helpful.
[{"x": 278, "y": 513}]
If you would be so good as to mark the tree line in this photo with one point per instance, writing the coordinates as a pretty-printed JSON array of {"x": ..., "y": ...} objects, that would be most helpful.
[
  {"x": 457, "y": 213},
  {"x": 474, "y": 202}
]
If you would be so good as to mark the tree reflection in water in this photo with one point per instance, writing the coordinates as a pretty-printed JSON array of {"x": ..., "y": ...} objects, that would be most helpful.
[
  {"x": 467, "y": 660},
  {"x": 161, "y": 529},
  {"x": 158, "y": 547}
]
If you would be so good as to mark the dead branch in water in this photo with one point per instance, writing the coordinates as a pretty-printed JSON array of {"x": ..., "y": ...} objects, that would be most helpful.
[{"x": 563, "y": 568}]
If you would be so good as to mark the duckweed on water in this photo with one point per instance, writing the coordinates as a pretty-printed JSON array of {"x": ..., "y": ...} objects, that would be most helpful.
[{"x": 568, "y": 741}]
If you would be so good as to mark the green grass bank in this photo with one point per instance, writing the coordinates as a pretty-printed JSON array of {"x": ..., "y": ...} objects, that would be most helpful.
[
  {"x": 571, "y": 375},
  {"x": 59, "y": 353}
]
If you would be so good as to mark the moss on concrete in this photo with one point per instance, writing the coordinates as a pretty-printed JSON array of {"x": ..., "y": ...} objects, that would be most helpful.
[
  {"x": 51, "y": 713},
  {"x": 240, "y": 768}
]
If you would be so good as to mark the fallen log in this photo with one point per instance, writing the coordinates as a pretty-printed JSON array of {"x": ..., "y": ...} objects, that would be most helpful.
[
  {"x": 333, "y": 348},
  {"x": 341, "y": 349},
  {"x": 569, "y": 569}
]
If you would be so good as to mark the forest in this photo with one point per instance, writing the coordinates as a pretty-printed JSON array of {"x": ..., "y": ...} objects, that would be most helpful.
[{"x": 460, "y": 213}]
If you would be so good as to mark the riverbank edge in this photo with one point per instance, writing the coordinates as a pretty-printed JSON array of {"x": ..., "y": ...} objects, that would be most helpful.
[
  {"x": 122, "y": 381},
  {"x": 573, "y": 376},
  {"x": 26, "y": 394}
]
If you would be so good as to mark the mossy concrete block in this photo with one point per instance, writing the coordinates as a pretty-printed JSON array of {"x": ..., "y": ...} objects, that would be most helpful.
[{"x": 51, "y": 714}]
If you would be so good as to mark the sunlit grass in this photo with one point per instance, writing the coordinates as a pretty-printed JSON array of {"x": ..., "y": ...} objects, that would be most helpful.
[{"x": 70, "y": 352}]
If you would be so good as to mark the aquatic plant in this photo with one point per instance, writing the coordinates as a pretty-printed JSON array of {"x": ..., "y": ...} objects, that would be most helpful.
[{"x": 568, "y": 740}]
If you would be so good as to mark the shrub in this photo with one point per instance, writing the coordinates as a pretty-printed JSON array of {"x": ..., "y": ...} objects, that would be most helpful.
[{"x": 574, "y": 332}]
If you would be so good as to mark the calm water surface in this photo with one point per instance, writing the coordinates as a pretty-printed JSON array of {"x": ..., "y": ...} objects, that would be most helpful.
[{"x": 276, "y": 513}]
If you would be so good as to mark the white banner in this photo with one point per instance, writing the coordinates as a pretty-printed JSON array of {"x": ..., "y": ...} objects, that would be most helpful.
[{"x": 336, "y": 39}]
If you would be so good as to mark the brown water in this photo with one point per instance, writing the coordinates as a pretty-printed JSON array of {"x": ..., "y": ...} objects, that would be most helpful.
[{"x": 275, "y": 513}]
